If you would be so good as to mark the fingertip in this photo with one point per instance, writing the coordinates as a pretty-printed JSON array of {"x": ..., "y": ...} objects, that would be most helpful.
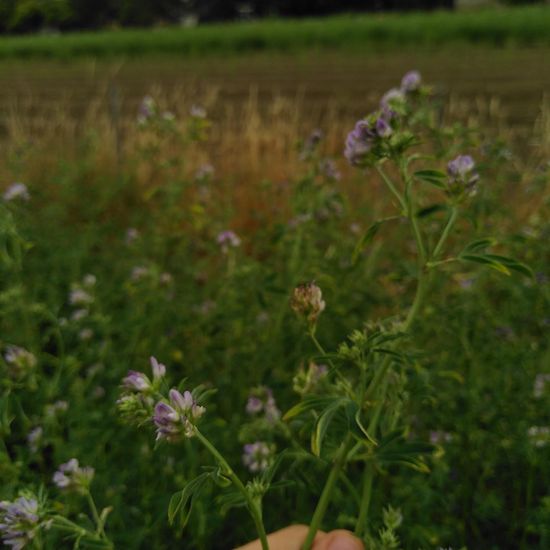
[{"x": 340, "y": 540}]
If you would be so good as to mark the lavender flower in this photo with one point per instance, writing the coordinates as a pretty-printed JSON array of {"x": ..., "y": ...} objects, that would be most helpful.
[
  {"x": 70, "y": 476},
  {"x": 307, "y": 301},
  {"x": 147, "y": 110},
  {"x": 19, "y": 521},
  {"x": 358, "y": 143},
  {"x": 540, "y": 384},
  {"x": 383, "y": 129},
  {"x": 462, "y": 175},
  {"x": 261, "y": 400},
  {"x": 34, "y": 438},
  {"x": 177, "y": 418},
  {"x": 79, "y": 297},
  {"x": 393, "y": 101},
  {"x": 19, "y": 360},
  {"x": 136, "y": 381},
  {"x": 16, "y": 191},
  {"x": 411, "y": 82},
  {"x": 328, "y": 168},
  {"x": 310, "y": 144},
  {"x": 159, "y": 370},
  {"x": 197, "y": 111},
  {"x": 228, "y": 239},
  {"x": 79, "y": 314},
  {"x": 257, "y": 456},
  {"x": 438, "y": 437}
]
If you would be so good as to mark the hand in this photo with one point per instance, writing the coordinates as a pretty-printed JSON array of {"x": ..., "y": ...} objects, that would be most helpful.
[{"x": 292, "y": 538}]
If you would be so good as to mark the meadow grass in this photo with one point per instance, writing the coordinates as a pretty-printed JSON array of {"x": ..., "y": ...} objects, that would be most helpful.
[
  {"x": 525, "y": 26},
  {"x": 131, "y": 203}
]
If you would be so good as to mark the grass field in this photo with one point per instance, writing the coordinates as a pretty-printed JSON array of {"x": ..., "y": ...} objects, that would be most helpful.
[{"x": 496, "y": 27}]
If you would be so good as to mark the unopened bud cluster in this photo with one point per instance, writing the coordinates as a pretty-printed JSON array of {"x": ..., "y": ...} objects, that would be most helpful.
[{"x": 307, "y": 301}]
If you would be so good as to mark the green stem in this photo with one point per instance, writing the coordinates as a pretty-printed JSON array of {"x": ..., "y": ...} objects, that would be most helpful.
[
  {"x": 326, "y": 495},
  {"x": 368, "y": 476},
  {"x": 450, "y": 223},
  {"x": 95, "y": 514},
  {"x": 392, "y": 187},
  {"x": 252, "y": 505}
]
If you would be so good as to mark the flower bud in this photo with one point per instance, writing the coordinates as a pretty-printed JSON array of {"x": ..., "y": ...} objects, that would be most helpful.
[{"x": 307, "y": 302}]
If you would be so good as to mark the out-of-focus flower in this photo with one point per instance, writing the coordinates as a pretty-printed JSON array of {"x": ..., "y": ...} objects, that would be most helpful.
[
  {"x": 80, "y": 297},
  {"x": 177, "y": 418},
  {"x": 16, "y": 191},
  {"x": 70, "y": 476},
  {"x": 411, "y": 82},
  {"x": 132, "y": 234},
  {"x": 358, "y": 142},
  {"x": 228, "y": 239},
  {"x": 168, "y": 116},
  {"x": 539, "y": 435},
  {"x": 86, "y": 334},
  {"x": 311, "y": 143},
  {"x": 20, "y": 361},
  {"x": 462, "y": 175},
  {"x": 539, "y": 387},
  {"x": 261, "y": 400},
  {"x": 147, "y": 110},
  {"x": 53, "y": 409},
  {"x": 89, "y": 280},
  {"x": 136, "y": 381},
  {"x": 383, "y": 129},
  {"x": 438, "y": 437},
  {"x": 34, "y": 438},
  {"x": 328, "y": 168},
  {"x": 166, "y": 278},
  {"x": 139, "y": 272},
  {"x": 204, "y": 171},
  {"x": 19, "y": 521},
  {"x": 307, "y": 301},
  {"x": 159, "y": 370},
  {"x": 392, "y": 102},
  {"x": 257, "y": 456},
  {"x": 197, "y": 111},
  {"x": 79, "y": 314}
]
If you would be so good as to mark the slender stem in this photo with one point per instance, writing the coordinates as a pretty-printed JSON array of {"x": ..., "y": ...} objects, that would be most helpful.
[
  {"x": 326, "y": 495},
  {"x": 368, "y": 476},
  {"x": 95, "y": 514},
  {"x": 392, "y": 187},
  {"x": 252, "y": 505},
  {"x": 450, "y": 222}
]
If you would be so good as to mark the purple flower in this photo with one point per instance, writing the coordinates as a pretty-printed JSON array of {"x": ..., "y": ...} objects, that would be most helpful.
[
  {"x": 136, "y": 381},
  {"x": 159, "y": 370},
  {"x": 411, "y": 82},
  {"x": 16, "y": 191},
  {"x": 19, "y": 521},
  {"x": 328, "y": 168},
  {"x": 197, "y": 111},
  {"x": 19, "y": 360},
  {"x": 79, "y": 297},
  {"x": 261, "y": 400},
  {"x": 462, "y": 174},
  {"x": 392, "y": 100},
  {"x": 228, "y": 239},
  {"x": 438, "y": 437},
  {"x": 383, "y": 129},
  {"x": 72, "y": 477},
  {"x": 177, "y": 418},
  {"x": 147, "y": 110},
  {"x": 257, "y": 456},
  {"x": 34, "y": 438}
]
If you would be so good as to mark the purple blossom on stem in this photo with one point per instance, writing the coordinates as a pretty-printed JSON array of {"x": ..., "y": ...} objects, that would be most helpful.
[
  {"x": 177, "y": 418},
  {"x": 228, "y": 239},
  {"x": 462, "y": 174},
  {"x": 257, "y": 456},
  {"x": 261, "y": 400},
  {"x": 70, "y": 476},
  {"x": 411, "y": 82},
  {"x": 16, "y": 191},
  {"x": 383, "y": 129},
  {"x": 19, "y": 521},
  {"x": 159, "y": 370},
  {"x": 136, "y": 381}
]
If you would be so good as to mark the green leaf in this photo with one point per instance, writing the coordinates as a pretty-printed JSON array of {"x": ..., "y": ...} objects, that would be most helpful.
[
  {"x": 432, "y": 209},
  {"x": 362, "y": 428},
  {"x": 395, "y": 449},
  {"x": 308, "y": 404},
  {"x": 482, "y": 259},
  {"x": 479, "y": 244},
  {"x": 512, "y": 264},
  {"x": 323, "y": 422},
  {"x": 181, "y": 503},
  {"x": 433, "y": 177},
  {"x": 369, "y": 236}
]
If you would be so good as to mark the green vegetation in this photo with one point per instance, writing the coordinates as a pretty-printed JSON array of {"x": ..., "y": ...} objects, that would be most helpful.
[
  {"x": 497, "y": 27},
  {"x": 425, "y": 422}
]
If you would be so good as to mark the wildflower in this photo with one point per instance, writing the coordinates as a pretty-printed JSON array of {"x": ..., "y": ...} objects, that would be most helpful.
[
  {"x": 177, "y": 418},
  {"x": 228, "y": 239},
  {"x": 53, "y": 409},
  {"x": 166, "y": 278},
  {"x": 79, "y": 314},
  {"x": 72, "y": 477},
  {"x": 438, "y": 437},
  {"x": 168, "y": 116},
  {"x": 261, "y": 400},
  {"x": 136, "y": 381},
  {"x": 19, "y": 360},
  {"x": 307, "y": 301},
  {"x": 311, "y": 143},
  {"x": 197, "y": 111},
  {"x": 204, "y": 171},
  {"x": 132, "y": 234},
  {"x": 462, "y": 175},
  {"x": 89, "y": 280},
  {"x": 358, "y": 143},
  {"x": 328, "y": 168},
  {"x": 393, "y": 102},
  {"x": 16, "y": 191},
  {"x": 540, "y": 384},
  {"x": 383, "y": 129},
  {"x": 411, "y": 82},
  {"x": 34, "y": 438},
  {"x": 159, "y": 370},
  {"x": 19, "y": 521},
  {"x": 257, "y": 456},
  {"x": 78, "y": 296},
  {"x": 139, "y": 272},
  {"x": 86, "y": 334},
  {"x": 539, "y": 435},
  {"x": 147, "y": 110}
]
